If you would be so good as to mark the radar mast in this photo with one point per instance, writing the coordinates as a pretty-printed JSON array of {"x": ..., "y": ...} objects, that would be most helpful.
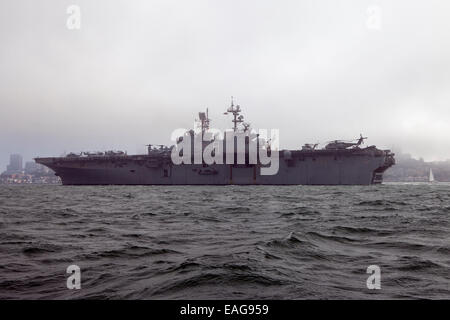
[{"x": 235, "y": 111}]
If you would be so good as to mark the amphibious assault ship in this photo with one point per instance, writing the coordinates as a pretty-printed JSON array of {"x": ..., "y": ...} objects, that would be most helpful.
[{"x": 338, "y": 163}]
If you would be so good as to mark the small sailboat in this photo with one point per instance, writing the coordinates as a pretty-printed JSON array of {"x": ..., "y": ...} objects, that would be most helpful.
[{"x": 431, "y": 177}]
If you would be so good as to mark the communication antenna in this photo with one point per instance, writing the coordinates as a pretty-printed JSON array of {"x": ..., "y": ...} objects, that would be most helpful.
[
  {"x": 204, "y": 121},
  {"x": 235, "y": 111}
]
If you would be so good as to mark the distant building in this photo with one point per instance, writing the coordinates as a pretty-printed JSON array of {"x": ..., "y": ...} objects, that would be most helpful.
[
  {"x": 31, "y": 167},
  {"x": 15, "y": 164},
  {"x": 34, "y": 173}
]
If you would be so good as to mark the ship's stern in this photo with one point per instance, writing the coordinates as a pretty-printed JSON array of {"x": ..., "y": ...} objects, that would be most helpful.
[{"x": 389, "y": 161}]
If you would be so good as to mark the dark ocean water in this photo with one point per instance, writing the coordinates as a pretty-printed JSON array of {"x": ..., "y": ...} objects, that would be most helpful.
[{"x": 289, "y": 242}]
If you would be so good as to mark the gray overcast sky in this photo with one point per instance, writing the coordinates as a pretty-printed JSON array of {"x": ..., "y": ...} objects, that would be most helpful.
[{"x": 137, "y": 70}]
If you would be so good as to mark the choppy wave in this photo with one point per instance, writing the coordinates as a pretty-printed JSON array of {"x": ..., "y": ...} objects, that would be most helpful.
[{"x": 241, "y": 242}]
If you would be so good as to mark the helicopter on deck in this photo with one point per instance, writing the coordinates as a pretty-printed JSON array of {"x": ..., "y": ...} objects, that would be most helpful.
[{"x": 341, "y": 144}]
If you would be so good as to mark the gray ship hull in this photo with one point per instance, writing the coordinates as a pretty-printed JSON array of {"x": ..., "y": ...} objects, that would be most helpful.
[{"x": 318, "y": 167}]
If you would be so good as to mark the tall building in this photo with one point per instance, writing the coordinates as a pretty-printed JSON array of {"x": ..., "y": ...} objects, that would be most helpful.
[{"x": 15, "y": 163}]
